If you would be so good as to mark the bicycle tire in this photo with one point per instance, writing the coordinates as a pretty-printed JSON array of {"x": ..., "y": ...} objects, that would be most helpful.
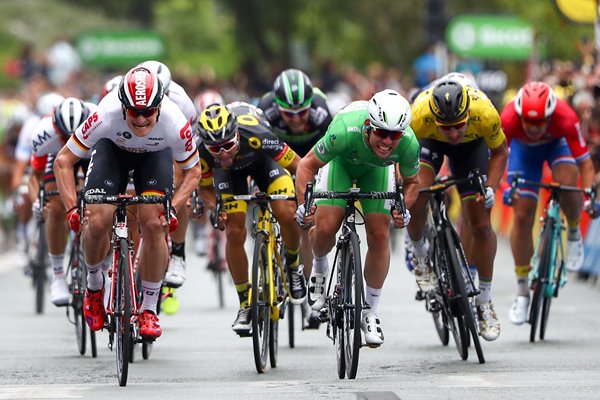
[
  {"x": 461, "y": 268},
  {"x": 541, "y": 280},
  {"x": 290, "y": 318},
  {"x": 453, "y": 319},
  {"x": 336, "y": 312},
  {"x": 260, "y": 307},
  {"x": 123, "y": 313},
  {"x": 39, "y": 274},
  {"x": 93, "y": 346},
  {"x": 353, "y": 295},
  {"x": 280, "y": 293},
  {"x": 440, "y": 320},
  {"x": 78, "y": 283}
]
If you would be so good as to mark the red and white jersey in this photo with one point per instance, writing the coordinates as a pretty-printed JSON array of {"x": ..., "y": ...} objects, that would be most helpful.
[
  {"x": 564, "y": 122},
  {"x": 179, "y": 96},
  {"x": 46, "y": 139},
  {"x": 171, "y": 131}
]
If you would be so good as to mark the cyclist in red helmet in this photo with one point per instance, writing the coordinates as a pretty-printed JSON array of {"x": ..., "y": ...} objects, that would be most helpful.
[
  {"x": 541, "y": 128},
  {"x": 135, "y": 128}
]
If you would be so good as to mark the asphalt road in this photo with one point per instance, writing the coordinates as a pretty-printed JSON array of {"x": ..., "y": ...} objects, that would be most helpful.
[{"x": 200, "y": 357}]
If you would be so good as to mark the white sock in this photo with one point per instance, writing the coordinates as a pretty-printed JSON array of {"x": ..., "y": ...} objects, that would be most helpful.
[
  {"x": 372, "y": 298},
  {"x": 95, "y": 280},
  {"x": 56, "y": 261},
  {"x": 150, "y": 293},
  {"x": 320, "y": 265},
  {"x": 485, "y": 292},
  {"x": 420, "y": 247}
]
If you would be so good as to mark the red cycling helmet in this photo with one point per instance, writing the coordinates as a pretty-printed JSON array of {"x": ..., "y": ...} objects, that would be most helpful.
[
  {"x": 140, "y": 89},
  {"x": 535, "y": 100}
]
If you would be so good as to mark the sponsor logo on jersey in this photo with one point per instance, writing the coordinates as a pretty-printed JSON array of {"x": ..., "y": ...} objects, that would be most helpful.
[
  {"x": 152, "y": 182},
  {"x": 127, "y": 135},
  {"x": 88, "y": 126},
  {"x": 320, "y": 148},
  {"x": 95, "y": 191},
  {"x": 353, "y": 129},
  {"x": 273, "y": 172},
  {"x": 186, "y": 135},
  {"x": 41, "y": 138}
]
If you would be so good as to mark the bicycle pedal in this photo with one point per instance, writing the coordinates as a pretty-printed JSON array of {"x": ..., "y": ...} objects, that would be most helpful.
[
  {"x": 420, "y": 295},
  {"x": 247, "y": 333}
]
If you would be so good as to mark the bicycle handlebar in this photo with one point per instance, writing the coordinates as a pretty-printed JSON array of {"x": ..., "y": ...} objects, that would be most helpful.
[
  {"x": 259, "y": 197},
  {"x": 444, "y": 182},
  {"x": 551, "y": 186}
]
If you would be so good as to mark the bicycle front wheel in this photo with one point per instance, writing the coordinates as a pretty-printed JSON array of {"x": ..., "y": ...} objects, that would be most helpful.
[
  {"x": 39, "y": 273},
  {"x": 260, "y": 305},
  {"x": 353, "y": 295},
  {"x": 77, "y": 287},
  {"x": 123, "y": 314},
  {"x": 540, "y": 283}
]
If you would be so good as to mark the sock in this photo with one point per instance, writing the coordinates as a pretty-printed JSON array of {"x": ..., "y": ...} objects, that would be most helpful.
[
  {"x": 95, "y": 280},
  {"x": 420, "y": 247},
  {"x": 150, "y": 292},
  {"x": 485, "y": 291},
  {"x": 522, "y": 273},
  {"x": 292, "y": 259},
  {"x": 178, "y": 249},
  {"x": 320, "y": 265},
  {"x": 573, "y": 232},
  {"x": 372, "y": 298},
  {"x": 242, "y": 291},
  {"x": 56, "y": 261}
]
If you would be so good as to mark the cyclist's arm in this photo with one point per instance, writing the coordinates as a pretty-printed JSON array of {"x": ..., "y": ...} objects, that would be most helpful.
[
  {"x": 497, "y": 165},
  {"x": 587, "y": 172},
  {"x": 208, "y": 194},
  {"x": 293, "y": 166},
  {"x": 307, "y": 168},
  {"x": 411, "y": 186},
  {"x": 19, "y": 170},
  {"x": 35, "y": 178},
  {"x": 64, "y": 165}
]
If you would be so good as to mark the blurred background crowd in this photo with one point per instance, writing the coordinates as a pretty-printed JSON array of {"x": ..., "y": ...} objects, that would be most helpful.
[{"x": 350, "y": 49}]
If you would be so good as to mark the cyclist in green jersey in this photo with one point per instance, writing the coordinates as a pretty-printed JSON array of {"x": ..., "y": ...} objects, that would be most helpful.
[{"x": 367, "y": 142}]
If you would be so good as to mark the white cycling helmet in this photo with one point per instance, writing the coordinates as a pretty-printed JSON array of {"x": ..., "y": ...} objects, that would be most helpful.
[
  {"x": 161, "y": 70},
  {"x": 389, "y": 110},
  {"x": 46, "y": 103},
  {"x": 69, "y": 114},
  {"x": 111, "y": 84}
]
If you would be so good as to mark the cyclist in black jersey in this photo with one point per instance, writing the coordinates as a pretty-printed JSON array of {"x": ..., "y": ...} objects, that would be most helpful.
[
  {"x": 298, "y": 114},
  {"x": 237, "y": 144}
]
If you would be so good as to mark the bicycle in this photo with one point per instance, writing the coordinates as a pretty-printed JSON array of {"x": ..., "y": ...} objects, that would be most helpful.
[
  {"x": 452, "y": 302},
  {"x": 77, "y": 273},
  {"x": 548, "y": 273},
  {"x": 269, "y": 290},
  {"x": 38, "y": 264},
  {"x": 123, "y": 307},
  {"x": 344, "y": 304}
]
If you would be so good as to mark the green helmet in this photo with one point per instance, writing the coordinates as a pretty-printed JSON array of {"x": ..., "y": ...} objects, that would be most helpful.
[{"x": 293, "y": 89}]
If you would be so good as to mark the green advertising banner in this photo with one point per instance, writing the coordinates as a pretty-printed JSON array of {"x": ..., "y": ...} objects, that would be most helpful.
[
  {"x": 119, "y": 48},
  {"x": 490, "y": 36}
]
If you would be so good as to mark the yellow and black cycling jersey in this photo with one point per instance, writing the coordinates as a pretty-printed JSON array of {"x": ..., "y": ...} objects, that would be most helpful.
[
  {"x": 256, "y": 142},
  {"x": 484, "y": 120}
]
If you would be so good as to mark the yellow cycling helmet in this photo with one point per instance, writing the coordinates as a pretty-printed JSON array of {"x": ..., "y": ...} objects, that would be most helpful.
[
  {"x": 449, "y": 102},
  {"x": 217, "y": 124}
]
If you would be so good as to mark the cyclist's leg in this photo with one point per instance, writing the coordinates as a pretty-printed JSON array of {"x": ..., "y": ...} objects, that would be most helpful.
[
  {"x": 431, "y": 159},
  {"x": 152, "y": 174},
  {"x": 175, "y": 275},
  {"x": 566, "y": 172},
  {"x": 328, "y": 218}
]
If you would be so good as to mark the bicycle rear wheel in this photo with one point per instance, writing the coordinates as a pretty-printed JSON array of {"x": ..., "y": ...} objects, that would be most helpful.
[
  {"x": 450, "y": 309},
  {"x": 123, "y": 314},
  {"x": 336, "y": 313},
  {"x": 260, "y": 306},
  {"x": 540, "y": 281},
  {"x": 353, "y": 295},
  {"x": 39, "y": 273},
  {"x": 77, "y": 286}
]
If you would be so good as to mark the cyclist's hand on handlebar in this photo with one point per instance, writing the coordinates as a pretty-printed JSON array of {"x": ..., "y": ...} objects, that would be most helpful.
[
  {"x": 304, "y": 218},
  {"x": 74, "y": 219},
  {"x": 489, "y": 199},
  {"x": 37, "y": 210},
  {"x": 506, "y": 197},
  {"x": 400, "y": 220},
  {"x": 173, "y": 223},
  {"x": 593, "y": 209}
]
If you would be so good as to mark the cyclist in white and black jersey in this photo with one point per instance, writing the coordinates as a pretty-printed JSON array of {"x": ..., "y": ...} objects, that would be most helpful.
[
  {"x": 44, "y": 105},
  {"x": 136, "y": 128},
  {"x": 48, "y": 137},
  {"x": 175, "y": 275}
]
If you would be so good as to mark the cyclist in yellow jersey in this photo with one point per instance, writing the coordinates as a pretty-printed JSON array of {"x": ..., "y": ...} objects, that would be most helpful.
[
  {"x": 461, "y": 123},
  {"x": 238, "y": 143}
]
